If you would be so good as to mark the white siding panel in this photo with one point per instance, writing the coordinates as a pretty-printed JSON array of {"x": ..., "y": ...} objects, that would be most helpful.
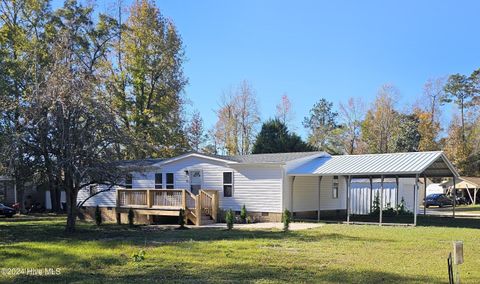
[
  {"x": 259, "y": 188},
  {"x": 327, "y": 202},
  {"x": 104, "y": 199},
  {"x": 305, "y": 194}
]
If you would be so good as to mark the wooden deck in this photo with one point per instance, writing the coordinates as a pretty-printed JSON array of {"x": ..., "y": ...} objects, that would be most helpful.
[{"x": 201, "y": 208}]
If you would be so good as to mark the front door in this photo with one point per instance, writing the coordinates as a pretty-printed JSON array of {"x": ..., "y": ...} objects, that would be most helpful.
[{"x": 195, "y": 181}]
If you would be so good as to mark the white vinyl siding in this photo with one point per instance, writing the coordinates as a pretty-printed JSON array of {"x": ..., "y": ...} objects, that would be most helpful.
[
  {"x": 305, "y": 194},
  {"x": 258, "y": 187},
  {"x": 103, "y": 199}
]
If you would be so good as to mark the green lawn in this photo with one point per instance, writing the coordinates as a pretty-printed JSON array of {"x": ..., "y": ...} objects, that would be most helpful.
[{"x": 332, "y": 253}]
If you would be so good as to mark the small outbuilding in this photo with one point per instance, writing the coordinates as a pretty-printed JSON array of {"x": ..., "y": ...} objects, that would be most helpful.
[{"x": 468, "y": 187}]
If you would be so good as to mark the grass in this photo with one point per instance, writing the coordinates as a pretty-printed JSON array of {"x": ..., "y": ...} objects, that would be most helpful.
[{"x": 330, "y": 254}]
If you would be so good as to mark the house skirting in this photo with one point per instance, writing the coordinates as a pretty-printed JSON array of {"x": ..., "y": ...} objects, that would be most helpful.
[
  {"x": 109, "y": 215},
  {"x": 323, "y": 214}
]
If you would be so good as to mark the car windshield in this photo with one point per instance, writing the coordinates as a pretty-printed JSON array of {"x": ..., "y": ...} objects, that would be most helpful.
[{"x": 434, "y": 195}]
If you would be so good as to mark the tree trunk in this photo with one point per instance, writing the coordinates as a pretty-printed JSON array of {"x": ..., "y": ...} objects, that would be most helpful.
[
  {"x": 71, "y": 210},
  {"x": 20, "y": 192},
  {"x": 71, "y": 191},
  {"x": 52, "y": 187}
]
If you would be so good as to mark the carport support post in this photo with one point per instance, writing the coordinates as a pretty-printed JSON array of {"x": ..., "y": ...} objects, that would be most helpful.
[
  {"x": 381, "y": 201},
  {"x": 319, "y": 190},
  {"x": 396, "y": 190},
  {"x": 424, "y": 195},
  {"x": 291, "y": 196},
  {"x": 415, "y": 201},
  {"x": 454, "y": 195},
  {"x": 371, "y": 194},
  {"x": 475, "y": 196},
  {"x": 348, "y": 200}
]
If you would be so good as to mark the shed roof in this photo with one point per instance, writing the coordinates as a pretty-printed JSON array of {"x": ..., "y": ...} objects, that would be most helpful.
[
  {"x": 463, "y": 183},
  {"x": 393, "y": 164}
]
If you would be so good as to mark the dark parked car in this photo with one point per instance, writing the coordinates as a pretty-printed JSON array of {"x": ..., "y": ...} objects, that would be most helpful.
[
  {"x": 461, "y": 200},
  {"x": 7, "y": 211},
  {"x": 437, "y": 199}
]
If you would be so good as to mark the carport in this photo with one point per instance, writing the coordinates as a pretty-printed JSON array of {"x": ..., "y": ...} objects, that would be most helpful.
[
  {"x": 470, "y": 185},
  {"x": 393, "y": 166}
]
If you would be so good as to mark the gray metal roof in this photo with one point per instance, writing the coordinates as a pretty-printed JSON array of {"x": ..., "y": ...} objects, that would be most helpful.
[
  {"x": 422, "y": 163},
  {"x": 139, "y": 163},
  {"x": 241, "y": 159},
  {"x": 272, "y": 158}
]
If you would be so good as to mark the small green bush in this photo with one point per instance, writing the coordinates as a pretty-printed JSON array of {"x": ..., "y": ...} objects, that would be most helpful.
[
  {"x": 131, "y": 217},
  {"x": 181, "y": 219},
  {"x": 98, "y": 216},
  {"x": 138, "y": 257},
  {"x": 286, "y": 218},
  {"x": 243, "y": 214},
  {"x": 229, "y": 218}
]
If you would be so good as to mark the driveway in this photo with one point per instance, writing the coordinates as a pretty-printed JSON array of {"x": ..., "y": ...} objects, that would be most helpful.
[{"x": 460, "y": 211}]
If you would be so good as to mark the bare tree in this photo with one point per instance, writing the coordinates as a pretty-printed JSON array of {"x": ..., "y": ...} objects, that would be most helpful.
[
  {"x": 381, "y": 120},
  {"x": 351, "y": 115},
  {"x": 195, "y": 132},
  {"x": 80, "y": 124},
  {"x": 248, "y": 116},
  {"x": 434, "y": 94},
  {"x": 238, "y": 120},
  {"x": 284, "y": 111}
]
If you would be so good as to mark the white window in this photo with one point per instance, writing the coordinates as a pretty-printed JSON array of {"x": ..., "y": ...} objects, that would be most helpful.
[
  {"x": 227, "y": 184},
  {"x": 128, "y": 181},
  {"x": 158, "y": 181},
  {"x": 335, "y": 187},
  {"x": 93, "y": 189},
  {"x": 170, "y": 181},
  {"x": 195, "y": 181}
]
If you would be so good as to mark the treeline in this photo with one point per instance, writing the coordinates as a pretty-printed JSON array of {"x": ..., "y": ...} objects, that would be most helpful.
[
  {"x": 355, "y": 128},
  {"x": 80, "y": 90}
]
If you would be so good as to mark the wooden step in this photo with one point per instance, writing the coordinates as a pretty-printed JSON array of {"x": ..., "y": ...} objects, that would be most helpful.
[
  {"x": 208, "y": 222},
  {"x": 206, "y": 217}
]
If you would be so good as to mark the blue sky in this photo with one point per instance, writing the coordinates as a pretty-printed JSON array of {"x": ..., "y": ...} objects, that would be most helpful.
[{"x": 315, "y": 49}]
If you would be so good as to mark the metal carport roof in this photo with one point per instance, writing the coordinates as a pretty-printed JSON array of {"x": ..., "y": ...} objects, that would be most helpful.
[{"x": 431, "y": 164}]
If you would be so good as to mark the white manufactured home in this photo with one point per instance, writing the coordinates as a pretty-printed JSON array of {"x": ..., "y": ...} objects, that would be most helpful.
[{"x": 309, "y": 184}]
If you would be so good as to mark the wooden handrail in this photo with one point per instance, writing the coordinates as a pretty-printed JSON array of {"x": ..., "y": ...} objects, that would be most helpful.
[{"x": 206, "y": 202}]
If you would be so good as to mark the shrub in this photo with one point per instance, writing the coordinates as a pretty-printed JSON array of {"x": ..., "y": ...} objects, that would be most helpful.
[
  {"x": 243, "y": 214},
  {"x": 138, "y": 257},
  {"x": 402, "y": 208},
  {"x": 376, "y": 205},
  {"x": 181, "y": 219},
  {"x": 286, "y": 218},
  {"x": 229, "y": 218},
  {"x": 131, "y": 217},
  {"x": 98, "y": 216}
]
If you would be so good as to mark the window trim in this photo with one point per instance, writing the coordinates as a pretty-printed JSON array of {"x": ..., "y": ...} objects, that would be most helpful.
[
  {"x": 158, "y": 185},
  {"x": 169, "y": 184},
  {"x": 228, "y": 184},
  {"x": 335, "y": 187}
]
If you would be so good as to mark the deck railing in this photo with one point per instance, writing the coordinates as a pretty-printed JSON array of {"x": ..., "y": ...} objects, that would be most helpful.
[{"x": 206, "y": 202}]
